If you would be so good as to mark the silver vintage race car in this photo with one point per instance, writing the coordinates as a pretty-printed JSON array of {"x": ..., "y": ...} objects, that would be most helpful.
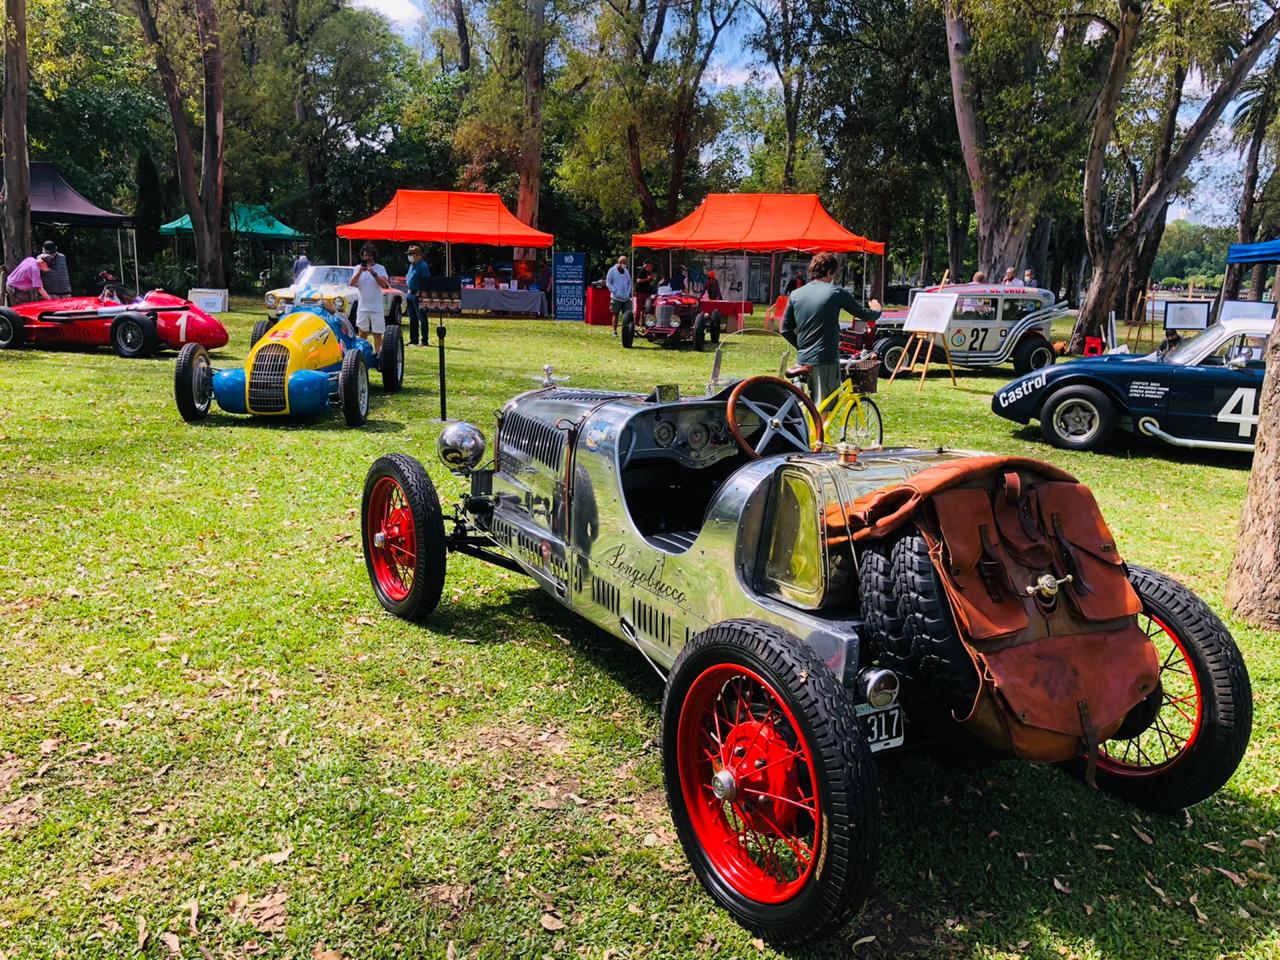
[{"x": 811, "y": 607}]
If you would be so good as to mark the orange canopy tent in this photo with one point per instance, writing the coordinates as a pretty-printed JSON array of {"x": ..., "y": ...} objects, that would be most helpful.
[
  {"x": 448, "y": 217},
  {"x": 764, "y": 222}
]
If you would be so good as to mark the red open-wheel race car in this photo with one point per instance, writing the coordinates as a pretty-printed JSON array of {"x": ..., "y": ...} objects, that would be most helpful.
[
  {"x": 133, "y": 328},
  {"x": 670, "y": 319}
]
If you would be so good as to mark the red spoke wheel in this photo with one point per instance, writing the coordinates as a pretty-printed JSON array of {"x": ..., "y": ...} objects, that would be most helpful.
[
  {"x": 770, "y": 781},
  {"x": 1184, "y": 741},
  {"x": 403, "y": 534}
]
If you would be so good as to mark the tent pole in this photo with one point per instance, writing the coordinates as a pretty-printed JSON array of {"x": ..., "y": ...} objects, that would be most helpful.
[
  {"x": 863, "y": 298},
  {"x": 120, "y": 252},
  {"x": 337, "y": 248},
  {"x": 137, "y": 285},
  {"x": 448, "y": 259}
]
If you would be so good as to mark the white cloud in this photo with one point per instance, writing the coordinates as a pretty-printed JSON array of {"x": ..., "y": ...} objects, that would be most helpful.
[{"x": 402, "y": 12}]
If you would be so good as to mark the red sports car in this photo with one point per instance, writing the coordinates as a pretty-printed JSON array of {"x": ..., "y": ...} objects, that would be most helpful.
[{"x": 133, "y": 328}]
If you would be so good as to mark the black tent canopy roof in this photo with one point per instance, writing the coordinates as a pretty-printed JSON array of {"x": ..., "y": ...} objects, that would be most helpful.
[{"x": 53, "y": 200}]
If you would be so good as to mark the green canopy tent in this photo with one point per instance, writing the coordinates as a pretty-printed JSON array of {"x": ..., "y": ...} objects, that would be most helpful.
[{"x": 247, "y": 220}]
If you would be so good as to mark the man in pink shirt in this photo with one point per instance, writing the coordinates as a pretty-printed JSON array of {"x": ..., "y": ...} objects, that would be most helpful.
[{"x": 26, "y": 282}]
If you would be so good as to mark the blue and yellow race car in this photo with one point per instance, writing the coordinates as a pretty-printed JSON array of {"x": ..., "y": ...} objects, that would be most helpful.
[
  {"x": 1202, "y": 392},
  {"x": 300, "y": 365}
]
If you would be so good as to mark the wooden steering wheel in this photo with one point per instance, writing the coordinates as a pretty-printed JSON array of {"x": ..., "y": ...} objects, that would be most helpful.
[{"x": 781, "y": 407}]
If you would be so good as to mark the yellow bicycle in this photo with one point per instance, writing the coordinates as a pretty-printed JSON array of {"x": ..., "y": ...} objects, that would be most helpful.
[{"x": 849, "y": 415}]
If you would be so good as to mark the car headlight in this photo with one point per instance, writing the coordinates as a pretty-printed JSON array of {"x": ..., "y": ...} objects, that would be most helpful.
[
  {"x": 271, "y": 299},
  {"x": 339, "y": 302},
  {"x": 649, "y": 321}
]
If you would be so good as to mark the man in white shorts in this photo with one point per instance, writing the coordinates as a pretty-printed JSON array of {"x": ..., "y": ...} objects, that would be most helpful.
[{"x": 370, "y": 279}]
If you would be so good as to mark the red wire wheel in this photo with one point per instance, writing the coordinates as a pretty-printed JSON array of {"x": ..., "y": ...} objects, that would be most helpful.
[
  {"x": 393, "y": 551},
  {"x": 749, "y": 783},
  {"x": 770, "y": 781},
  {"x": 1182, "y": 743},
  {"x": 403, "y": 534}
]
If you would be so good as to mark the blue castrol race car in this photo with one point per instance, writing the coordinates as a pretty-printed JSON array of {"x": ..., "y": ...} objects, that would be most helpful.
[
  {"x": 301, "y": 365},
  {"x": 1201, "y": 393}
]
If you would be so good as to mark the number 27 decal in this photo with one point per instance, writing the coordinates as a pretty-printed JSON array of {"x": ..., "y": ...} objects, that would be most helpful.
[{"x": 1242, "y": 409}]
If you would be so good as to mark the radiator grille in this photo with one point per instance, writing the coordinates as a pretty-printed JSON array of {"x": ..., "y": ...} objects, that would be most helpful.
[
  {"x": 582, "y": 395},
  {"x": 266, "y": 378},
  {"x": 531, "y": 438}
]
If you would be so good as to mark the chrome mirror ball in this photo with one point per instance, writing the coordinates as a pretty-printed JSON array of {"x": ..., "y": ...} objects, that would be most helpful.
[{"x": 461, "y": 447}]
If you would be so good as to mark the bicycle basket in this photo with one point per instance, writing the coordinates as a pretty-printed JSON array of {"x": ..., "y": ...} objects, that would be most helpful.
[{"x": 863, "y": 374}]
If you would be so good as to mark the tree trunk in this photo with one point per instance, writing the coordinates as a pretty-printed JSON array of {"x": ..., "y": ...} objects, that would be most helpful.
[
  {"x": 1246, "y": 230},
  {"x": 1110, "y": 258},
  {"x": 209, "y": 263},
  {"x": 200, "y": 209},
  {"x": 925, "y": 277},
  {"x": 1038, "y": 248},
  {"x": 648, "y": 205},
  {"x": 464, "y": 37},
  {"x": 1253, "y": 585},
  {"x": 530, "y": 162},
  {"x": 1258, "y": 281},
  {"x": 883, "y": 221},
  {"x": 1140, "y": 268},
  {"x": 15, "y": 224},
  {"x": 959, "y": 207}
]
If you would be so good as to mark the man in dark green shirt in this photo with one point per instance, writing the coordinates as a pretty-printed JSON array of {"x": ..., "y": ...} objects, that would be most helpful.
[{"x": 811, "y": 323}]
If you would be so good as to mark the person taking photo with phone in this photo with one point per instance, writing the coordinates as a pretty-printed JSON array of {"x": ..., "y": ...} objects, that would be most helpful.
[{"x": 370, "y": 279}]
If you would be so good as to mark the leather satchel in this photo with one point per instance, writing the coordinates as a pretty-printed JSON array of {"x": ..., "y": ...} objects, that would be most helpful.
[{"x": 1039, "y": 596}]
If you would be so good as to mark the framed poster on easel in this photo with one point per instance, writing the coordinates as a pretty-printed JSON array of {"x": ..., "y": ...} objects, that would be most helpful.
[{"x": 927, "y": 323}]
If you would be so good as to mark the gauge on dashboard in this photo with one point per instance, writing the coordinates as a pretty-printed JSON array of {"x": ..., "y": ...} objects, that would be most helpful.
[
  {"x": 664, "y": 433},
  {"x": 698, "y": 436}
]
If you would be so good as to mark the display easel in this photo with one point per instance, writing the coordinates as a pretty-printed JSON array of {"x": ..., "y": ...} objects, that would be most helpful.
[
  {"x": 1146, "y": 311},
  {"x": 920, "y": 340},
  {"x": 930, "y": 315}
]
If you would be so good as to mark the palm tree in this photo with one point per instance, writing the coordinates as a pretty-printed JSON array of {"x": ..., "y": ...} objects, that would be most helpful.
[{"x": 1256, "y": 108}]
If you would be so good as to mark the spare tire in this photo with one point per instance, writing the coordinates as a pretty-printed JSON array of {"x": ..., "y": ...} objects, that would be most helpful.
[{"x": 938, "y": 658}]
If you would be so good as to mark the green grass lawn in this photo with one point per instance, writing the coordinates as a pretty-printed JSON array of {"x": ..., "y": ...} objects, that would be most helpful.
[{"x": 213, "y": 742}]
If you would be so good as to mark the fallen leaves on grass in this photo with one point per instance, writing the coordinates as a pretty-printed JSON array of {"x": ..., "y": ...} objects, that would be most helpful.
[
  {"x": 277, "y": 858},
  {"x": 19, "y": 813},
  {"x": 322, "y": 952},
  {"x": 1234, "y": 877},
  {"x": 143, "y": 935},
  {"x": 1060, "y": 886},
  {"x": 551, "y": 923},
  {"x": 1144, "y": 837},
  {"x": 267, "y": 914},
  {"x": 170, "y": 940}
]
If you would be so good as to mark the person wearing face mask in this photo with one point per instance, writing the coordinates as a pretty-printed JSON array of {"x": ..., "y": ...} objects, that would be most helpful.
[
  {"x": 370, "y": 279},
  {"x": 416, "y": 281}
]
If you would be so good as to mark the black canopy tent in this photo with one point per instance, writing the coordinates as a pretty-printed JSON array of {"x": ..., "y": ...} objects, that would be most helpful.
[{"x": 56, "y": 203}]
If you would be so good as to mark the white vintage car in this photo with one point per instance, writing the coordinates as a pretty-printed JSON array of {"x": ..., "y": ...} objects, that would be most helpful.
[{"x": 316, "y": 284}]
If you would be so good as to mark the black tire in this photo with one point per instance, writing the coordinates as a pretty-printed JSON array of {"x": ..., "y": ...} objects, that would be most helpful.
[
  {"x": 939, "y": 661},
  {"x": 133, "y": 335},
  {"x": 1225, "y": 705},
  {"x": 847, "y": 848},
  {"x": 880, "y": 609},
  {"x": 351, "y": 314},
  {"x": 628, "y": 331},
  {"x": 353, "y": 387},
  {"x": 889, "y": 349},
  {"x": 391, "y": 359},
  {"x": 397, "y": 308},
  {"x": 866, "y": 432},
  {"x": 1078, "y": 417},
  {"x": 1033, "y": 352},
  {"x": 13, "y": 329},
  {"x": 716, "y": 321},
  {"x": 423, "y": 505},
  {"x": 193, "y": 383},
  {"x": 259, "y": 331},
  {"x": 700, "y": 332}
]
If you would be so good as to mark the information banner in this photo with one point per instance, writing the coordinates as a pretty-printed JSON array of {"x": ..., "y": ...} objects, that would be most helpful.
[
  {"x": 1186, "y": 314},
  {"x": 569, "y": 282}
]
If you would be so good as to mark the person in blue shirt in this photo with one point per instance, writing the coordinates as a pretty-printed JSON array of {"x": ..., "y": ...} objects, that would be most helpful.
[{"x": 416, "y": 281}]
